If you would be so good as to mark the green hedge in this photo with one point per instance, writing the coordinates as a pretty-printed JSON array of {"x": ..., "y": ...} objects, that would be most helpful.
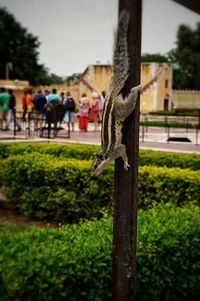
[
  {"x": 73, "y": 263},
  {"x": 78, "y": 151},
  {"x": 178, "y": 112},
  {"x": 169, "y": 159},
  {"x": 86, "y": 152},
  {"x": 172, "y": 124},
  {"x": 63, "y": 190}
]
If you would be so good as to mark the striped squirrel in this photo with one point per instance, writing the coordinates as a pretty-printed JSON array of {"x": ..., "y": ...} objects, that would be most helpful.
[{"x": 116, "y": 108}]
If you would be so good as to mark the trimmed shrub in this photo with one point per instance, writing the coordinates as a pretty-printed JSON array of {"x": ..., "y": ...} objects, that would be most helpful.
[
  {"x": 86, "y": 152},
  {"x": 171, "y": 124},
  {"x": 169, "y": 159},
  {"x": 78, "y": 151},
  {"x": 63, "y": 190},
  {"x": 74, "y": 262}
]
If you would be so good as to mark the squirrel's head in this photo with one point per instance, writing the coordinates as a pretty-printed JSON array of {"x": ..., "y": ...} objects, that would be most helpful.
[{"x": 99, "y": 164}]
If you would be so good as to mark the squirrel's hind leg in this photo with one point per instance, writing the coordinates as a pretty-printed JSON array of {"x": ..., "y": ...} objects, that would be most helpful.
[
  {"x": 119, "y": 151},
  {"x": 124, "y": 107}
]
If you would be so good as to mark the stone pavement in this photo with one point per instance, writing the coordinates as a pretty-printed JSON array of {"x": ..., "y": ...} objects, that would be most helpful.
[{"x": 151, "y": 138}]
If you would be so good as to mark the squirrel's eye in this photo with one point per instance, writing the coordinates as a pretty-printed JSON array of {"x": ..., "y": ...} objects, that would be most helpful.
[{"x": 100, "y": 156}]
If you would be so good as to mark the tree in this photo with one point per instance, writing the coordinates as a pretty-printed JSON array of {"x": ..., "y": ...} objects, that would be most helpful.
[
  {"x": 155, "y": 57},
  {"x": 186, "y": 58},
  {"x": 19, "y": 47},
  {"x": 73, "y": 77},
  {"x": 55, "y": 79}
]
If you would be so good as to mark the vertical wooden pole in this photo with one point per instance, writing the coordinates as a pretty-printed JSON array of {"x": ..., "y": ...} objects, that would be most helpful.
[{"x": 126, "y": 182}]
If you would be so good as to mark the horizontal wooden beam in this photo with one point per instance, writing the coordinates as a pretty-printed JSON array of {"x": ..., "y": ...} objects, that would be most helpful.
[{"x": 191, "y": 4}]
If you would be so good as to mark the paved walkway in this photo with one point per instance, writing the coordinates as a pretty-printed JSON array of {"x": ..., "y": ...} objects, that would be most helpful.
[{"x": 154, "y": 138}]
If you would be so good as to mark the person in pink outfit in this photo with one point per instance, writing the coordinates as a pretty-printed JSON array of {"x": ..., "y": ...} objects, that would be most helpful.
[
  {"x": 84, "y": 106},
  {"x": 94, "y": 109}
]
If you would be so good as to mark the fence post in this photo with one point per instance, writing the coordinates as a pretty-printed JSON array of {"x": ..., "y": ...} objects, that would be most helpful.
[
  {"x": 197, "y": 132},
  {"x": 14, "y": 115},
  {"x": 29, "y": 124}
]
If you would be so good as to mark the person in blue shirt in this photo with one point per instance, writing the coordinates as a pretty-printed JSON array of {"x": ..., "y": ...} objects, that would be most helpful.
[
  {"x": 39, "y": 102},
  {"x": 53, "y": 96}
]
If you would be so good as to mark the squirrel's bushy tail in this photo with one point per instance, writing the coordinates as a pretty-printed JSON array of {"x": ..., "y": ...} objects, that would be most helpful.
[{"x": 120, "y": 55}]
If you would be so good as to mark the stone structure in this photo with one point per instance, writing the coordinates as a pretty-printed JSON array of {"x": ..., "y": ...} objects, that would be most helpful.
[{"x": 156, "y": 79}]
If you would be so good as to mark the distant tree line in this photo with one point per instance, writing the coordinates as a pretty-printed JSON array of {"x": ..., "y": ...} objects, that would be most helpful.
[
  {"x": 185, "y": 58},
  {"x": 20, "y": 48}
]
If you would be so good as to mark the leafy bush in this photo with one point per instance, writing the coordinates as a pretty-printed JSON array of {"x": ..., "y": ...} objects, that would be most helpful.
[
  {"x": 74, "y": 262},
  {"x": 78, "y": 151},
  {"x": 86, "y": 152},
  {"x": 172, "y": 124},
  {"x": 178, "y": 112},
  {"x": 169, "y": 159},
  {"x": 46, "y": 187},
  {"x": 54, "y": 189}
]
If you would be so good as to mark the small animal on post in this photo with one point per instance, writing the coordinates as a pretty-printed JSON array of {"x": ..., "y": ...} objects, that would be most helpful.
[{"x": 116, "y": 107}]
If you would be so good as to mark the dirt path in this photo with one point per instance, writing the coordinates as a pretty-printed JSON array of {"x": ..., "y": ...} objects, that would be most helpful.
[{"x": 9, "y": 215}]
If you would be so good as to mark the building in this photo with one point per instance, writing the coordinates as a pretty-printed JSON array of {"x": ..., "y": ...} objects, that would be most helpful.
[{"x": 156, "y": 79}]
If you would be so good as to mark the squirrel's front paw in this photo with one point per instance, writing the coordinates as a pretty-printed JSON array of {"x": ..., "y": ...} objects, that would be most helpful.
[{"x": 126, "y": 166}]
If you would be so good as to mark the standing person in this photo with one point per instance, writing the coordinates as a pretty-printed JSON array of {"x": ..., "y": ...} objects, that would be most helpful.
[
  {"x": 29, "y": 103},
  {"x": 39, "y": 101},
  {"x": 102, "y": 98},
  {"x": 101, "y": 101},
  {"x": 94, "y": 109},
  {"x": 70, "y": 104},
  {"x": 62, "y": 97},
  {"x": 24, "y": 105},
  {"x": 46, "y": 93},
  {"x": 53, "y": 96},
  {"x": 84, "y": 106},
  {"x": 4, "y": 101},
  {"x": 11, "y": 112}
]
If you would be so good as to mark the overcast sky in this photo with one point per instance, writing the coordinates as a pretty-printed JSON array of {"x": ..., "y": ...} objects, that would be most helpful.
[{"x": 76, "y": 33}]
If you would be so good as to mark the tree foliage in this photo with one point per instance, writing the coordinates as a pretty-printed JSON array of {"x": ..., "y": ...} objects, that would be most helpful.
[
  {"x": 19, "y": 47},
  {"x": 73, "y": 77},
  {"x": 155, "y": 57},
  {"x": 186, "y": 58}
]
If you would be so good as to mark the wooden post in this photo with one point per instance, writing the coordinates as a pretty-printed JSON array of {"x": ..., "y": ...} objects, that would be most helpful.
[{"x": 126, "y": 182}]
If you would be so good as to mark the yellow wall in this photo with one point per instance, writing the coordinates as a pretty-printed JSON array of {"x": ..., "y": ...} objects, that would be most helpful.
[
  {"x": 165, "y": 88},
  {"x": 184, "y": 99},
  {"x": 98, "y": 77},
  {"x": 161, "y": 87},
  {"x": 101, "y": 75},
  {"x": 146, "y": 99}
]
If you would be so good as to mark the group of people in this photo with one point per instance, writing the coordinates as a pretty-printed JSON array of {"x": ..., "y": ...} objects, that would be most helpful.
[{"x": 36, "y": 104}]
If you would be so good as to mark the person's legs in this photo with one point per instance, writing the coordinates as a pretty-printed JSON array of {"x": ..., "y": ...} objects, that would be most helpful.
[
  {"x": 95, "y": 118},
  {"x": 81, "y": 123},
  {"x": 86, "y": 123},
  {"x": 9, "y": 119}
]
